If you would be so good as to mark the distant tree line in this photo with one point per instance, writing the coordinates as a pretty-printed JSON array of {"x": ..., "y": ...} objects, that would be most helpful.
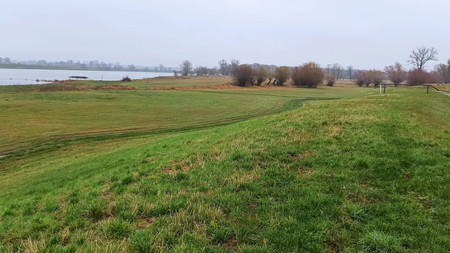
[
  {"x": 397, "y": 74},
  {"x": 80, "y": 65},
  {"x": 312, "y": 74}
]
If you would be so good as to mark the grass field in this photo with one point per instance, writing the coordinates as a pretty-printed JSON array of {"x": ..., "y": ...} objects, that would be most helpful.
[
  {"x": 225, "y": 170},
  {"x": 32, "y": 117}
]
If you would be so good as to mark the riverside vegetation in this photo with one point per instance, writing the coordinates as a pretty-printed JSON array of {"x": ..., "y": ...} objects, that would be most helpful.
[{"x": 192, "y": 165}]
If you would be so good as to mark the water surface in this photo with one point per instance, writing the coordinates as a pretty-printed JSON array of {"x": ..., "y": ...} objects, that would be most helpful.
[{"x": 41, "y": 76}]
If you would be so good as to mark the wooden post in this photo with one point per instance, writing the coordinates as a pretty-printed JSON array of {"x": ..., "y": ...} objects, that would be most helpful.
[
  {"x": 384, "y": 88},
  {"x": 428, "y": 87}
]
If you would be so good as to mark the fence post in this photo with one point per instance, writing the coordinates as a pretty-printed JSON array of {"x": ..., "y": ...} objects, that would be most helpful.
[{"x": 428, "y": 87}]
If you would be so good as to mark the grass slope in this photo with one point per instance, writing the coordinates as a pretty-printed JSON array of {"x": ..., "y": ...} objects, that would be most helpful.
[
  {"x": 34, "y": 119},
  {"x": 368, "y": 173}
]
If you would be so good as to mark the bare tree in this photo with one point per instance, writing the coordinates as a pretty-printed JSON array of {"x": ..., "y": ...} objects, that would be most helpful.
[
  {"x": 131, "y": 67},
  {"x": 201, "y": 71},
  {"x": 328, "y": 69},
  {"x": 444, "y": 71},
  {"x": 186, "y": 67},
  {"x": 6, "y": 60},
  {"x": 337, "y": 70},
  {"x": 350, "y": 72},
  {"x": 213, "y": 71},
  {"x": 423, "y": 55},
  {"x": 233, "y": 65},
  {"x": 395, "y": 73},
  {"x": 224, "y": 67}
]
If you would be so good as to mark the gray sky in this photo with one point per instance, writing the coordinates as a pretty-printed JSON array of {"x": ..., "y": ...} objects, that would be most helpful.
[{"x": 365, "y": 34}]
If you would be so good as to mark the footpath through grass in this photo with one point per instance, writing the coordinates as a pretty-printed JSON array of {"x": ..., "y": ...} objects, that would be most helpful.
[{"x": 367, "y": 174}]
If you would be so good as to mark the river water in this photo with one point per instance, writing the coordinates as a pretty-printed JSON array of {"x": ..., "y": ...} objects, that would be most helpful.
[{"x": 40, "y": 76}]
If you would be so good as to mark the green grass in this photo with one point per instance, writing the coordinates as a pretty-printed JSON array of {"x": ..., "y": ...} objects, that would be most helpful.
[
  {"x": 365, "y": 173},
  {"x": 34, "y": 119}
]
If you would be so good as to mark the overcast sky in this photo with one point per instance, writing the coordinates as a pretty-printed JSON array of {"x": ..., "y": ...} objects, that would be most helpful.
[{"x": 365, "y": 34}]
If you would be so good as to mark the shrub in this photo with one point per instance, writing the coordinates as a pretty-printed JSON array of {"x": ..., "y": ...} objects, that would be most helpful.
[
  {"x": 308, "y": 75},
  {"x": 363, "y": 77},
  {"x": 360, "y": 77},
  {"x": 281, "y": 75},
  {"x": 418, "y": 77},
  {"x": 330, "y": 79},
  {"x": 126, "y": 79},
  {"x": 436, "y": 77},
  {"x": 375, "y": 76},
  {"x": 261, "y": 75},
  {"x": 270, "y": 76},
  {"x": 243, "y": 74},
  {"x": 396, "y": 73}
]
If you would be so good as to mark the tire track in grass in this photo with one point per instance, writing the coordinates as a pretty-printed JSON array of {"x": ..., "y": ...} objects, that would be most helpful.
[{"x": 56, "y": 142}]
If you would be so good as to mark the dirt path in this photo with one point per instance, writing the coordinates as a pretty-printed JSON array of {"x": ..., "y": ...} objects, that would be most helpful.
[{"x": 445, "y": 93}]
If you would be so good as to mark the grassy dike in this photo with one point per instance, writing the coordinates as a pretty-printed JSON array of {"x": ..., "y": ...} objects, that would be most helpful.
[{"x": 367, "y": 173}]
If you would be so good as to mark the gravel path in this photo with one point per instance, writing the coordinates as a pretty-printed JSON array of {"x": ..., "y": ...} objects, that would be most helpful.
[{"x": 445, "y": 93}]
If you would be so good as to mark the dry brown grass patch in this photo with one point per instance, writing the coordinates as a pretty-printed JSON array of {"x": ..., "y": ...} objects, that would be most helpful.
[
  {"x": 304, "y": 172},
  {"x": 334, "y": 131},
  {"x": 79, "y": 87},
  {"x": 231, "y": 244},
  {"x": 145, "y": 222}
]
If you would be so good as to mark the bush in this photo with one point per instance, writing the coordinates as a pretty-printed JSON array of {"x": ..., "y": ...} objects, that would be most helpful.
[
  {"x": 436, "y": 77},
  {"x": 330, "y": 79},
  {"x": 126, "y": 79},
  {"x": 375, "y": 76},
  {"x": 281, "y": 75},
  {"x": 308, "y": 75},
  {"x": 363, "y": 77},
  {"x": 396, "y": 73},
  {"x": 243, "y": 74},
  {"x": 360, "y": 77},
  {"x": 261, "y": 75},
  {"x": 418, "y": 77}
]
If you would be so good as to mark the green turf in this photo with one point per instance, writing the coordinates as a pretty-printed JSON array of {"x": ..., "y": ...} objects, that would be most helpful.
[
  {"x": 365, "y": 173},
  {"x": 32, "y": 118}
]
